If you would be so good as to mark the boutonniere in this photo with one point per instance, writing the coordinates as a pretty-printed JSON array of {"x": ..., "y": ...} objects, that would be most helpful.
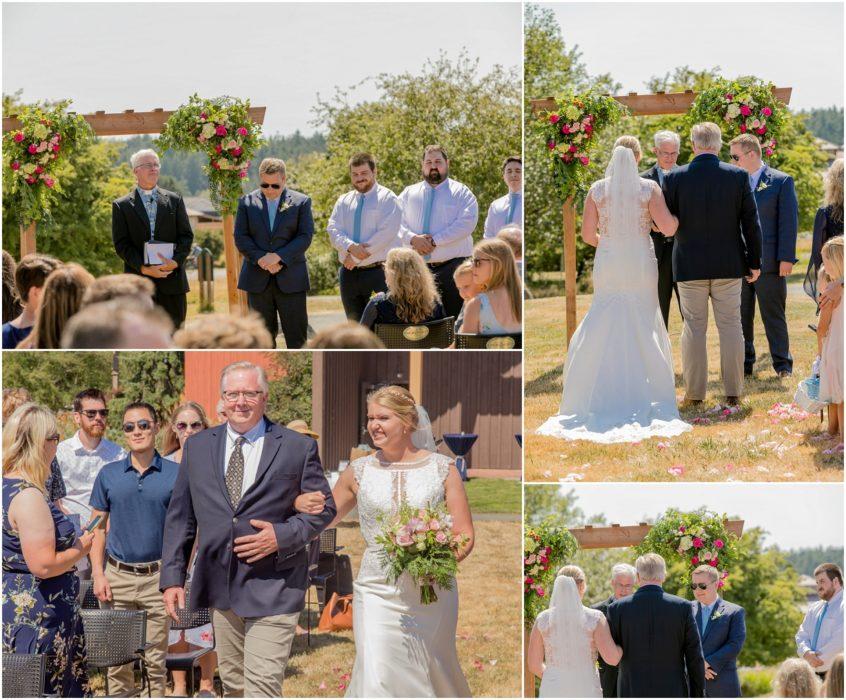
[
  {"x": 717, "y": 615},
  {"x": 762, "y": 186},
  {"x": 285, "y": 205}
]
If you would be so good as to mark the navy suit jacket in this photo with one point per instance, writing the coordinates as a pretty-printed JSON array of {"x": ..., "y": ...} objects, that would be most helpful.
[
  {"x": 721, "y": 645},
  {"x": 293, "y": 229},
  {"x": 778, "y": 212},
  {"x": 719, "y": 235},
  {"x": 200, "y": 509},
  {"x": 662, "y": 655}
]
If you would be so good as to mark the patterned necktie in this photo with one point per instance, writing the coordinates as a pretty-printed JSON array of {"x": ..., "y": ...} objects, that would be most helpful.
[
  {"x": 816, "y": 636},
  {"x": 235, "y": 472},
  {"x": 150, "y": 206},
  {"x": 512, "y": 205},
  {"x": 357, "y": 221}
]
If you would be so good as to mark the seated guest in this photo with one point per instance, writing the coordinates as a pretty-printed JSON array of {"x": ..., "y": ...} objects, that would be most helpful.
[
  {"x": 466, "y": 286},
  {"x": 833, "y": 686},
  {"x": 347, "y": 335},
  {"x": 224, "y": 331},
  {"x": 119, "y": 324},
  {"x": 61, "y": 299},
  {"x": 498, "y": 306},
  {"x": 795, "y": 679},
  {"x": 412, "y": 296},
  {"x": 111, "y": 287},
  {"x": 40, "y": 549},
  {"x": 513, "y": 235},
  {"x": 29, "y": 276},
  {"x": 11, "y": 301},
  {"x": 187, "y": 419}
]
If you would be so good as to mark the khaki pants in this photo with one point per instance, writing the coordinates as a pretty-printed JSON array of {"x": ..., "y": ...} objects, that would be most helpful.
[
  {"x": 132, "y": 592},
  {"x": 725, "y": 299},
  {"x": 252, "y": 652}
]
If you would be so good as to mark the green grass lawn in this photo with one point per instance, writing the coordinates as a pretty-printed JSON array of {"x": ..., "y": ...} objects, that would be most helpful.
[{"x": 494, "y": 495}]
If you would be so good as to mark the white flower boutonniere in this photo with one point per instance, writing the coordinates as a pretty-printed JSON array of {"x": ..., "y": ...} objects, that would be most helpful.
[
  {"x": 762, "y": 186},
  {"x": 285, "y": 205},
  {"x": 717, "y": 615}
]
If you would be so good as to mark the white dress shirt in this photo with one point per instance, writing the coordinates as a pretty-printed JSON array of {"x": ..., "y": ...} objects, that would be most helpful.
[
  {"x": 251, "y": 450},
  {"x": 497, "y": 218},
  {"x": 79, "y": 467},
  {"x": 380, "y": 222},
  {"x": 455, "y": 213},
  {"x": 830, "y": 640}
]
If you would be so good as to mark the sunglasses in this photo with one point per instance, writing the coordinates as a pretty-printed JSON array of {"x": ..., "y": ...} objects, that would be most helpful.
[
  {"x": 144, "y": 425},
  {"x": 196, "y": 425},
  {"x": 265, "y": 185},
  {"x": 91, "y": 412},
  {"x": 54, "y": 438},
  {"x": 700, "y": 586}
]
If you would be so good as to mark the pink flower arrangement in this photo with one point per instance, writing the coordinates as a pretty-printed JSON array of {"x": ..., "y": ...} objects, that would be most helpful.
[
  {"x": 18, "y": 136},
  {"x": 719, "y": 544},
  {"x": 32, "y": 148},
  {"x": 220, "y": 130},
  {"x": 242, "y": 131},
  {"x": 694, "y": 560},
  {"x": 697, "y": 542},
  {"x": 15, "y": 165},
  {"x": 745, "y": 111},
  {"x": 766, "y": 111},
  {"x": 554, "y": 118}
]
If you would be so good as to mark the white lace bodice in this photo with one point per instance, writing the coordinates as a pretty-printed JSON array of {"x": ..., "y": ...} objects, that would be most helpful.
[
  {"x": 598, "y": 193},
  {"x": 561, "y": 652},
  {"x": 383, "y": 487}
]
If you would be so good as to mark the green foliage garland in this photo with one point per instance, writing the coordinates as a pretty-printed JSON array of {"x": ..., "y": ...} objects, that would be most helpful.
[
  {"x": 569, "y": 132},
  {"x": 545, "y": 550},
  {"x": 698, "y": 537},
  {"x": 222, "y": 129},
  {"x": 33, "y": 154}
]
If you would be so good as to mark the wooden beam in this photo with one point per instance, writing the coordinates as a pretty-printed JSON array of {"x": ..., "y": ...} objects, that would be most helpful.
[
  {"x": 651, "y": 104},
  {"x": 569, "y": 215},
  {"x": 415, "y": 374},
  {"x": 27, "y": 243},
  {"x": 129, "y": 122},
  {"x": 590, "y": 537}
]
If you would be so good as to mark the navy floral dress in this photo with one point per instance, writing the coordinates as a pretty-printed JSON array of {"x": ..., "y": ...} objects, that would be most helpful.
[{"x": 41, "y": 616}]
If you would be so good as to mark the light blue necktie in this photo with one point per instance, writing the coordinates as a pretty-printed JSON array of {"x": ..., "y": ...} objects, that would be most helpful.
[
  {"x": 816, "y": 636},
  {"x": 150, "y": 206},
  {"x": 428, "y": 200},
  {"x": 752, "y": 182},
  {"x": 357, "y": 221},
  {"x": 705, "y": 616},
  {"x": 512, "y": 205},
  {"x": 272, "y": 206}
]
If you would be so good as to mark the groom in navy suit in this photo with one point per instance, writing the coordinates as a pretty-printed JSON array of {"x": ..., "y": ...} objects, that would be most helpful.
[
  {"x": 273, "y": 230},
  {"x": 234, "y": 496},
  {"x": 778, "y": 212},
  {"x": 722, "y": 629}
]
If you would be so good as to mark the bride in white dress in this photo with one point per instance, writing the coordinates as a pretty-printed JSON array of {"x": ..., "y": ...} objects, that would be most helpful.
[
  {"x": 561, "y": 646},
  {"x": 618, "y": 378},
  {"x": 402, "y": 647}
]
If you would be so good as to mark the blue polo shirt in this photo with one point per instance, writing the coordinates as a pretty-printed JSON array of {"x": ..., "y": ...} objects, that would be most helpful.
[{"x": 137, "y": 506}]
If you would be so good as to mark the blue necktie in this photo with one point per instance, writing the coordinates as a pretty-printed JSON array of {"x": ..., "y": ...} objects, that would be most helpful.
[
  {"x": 149, "y": 203},
  {"x": 752, "y": 182},
  {"x": 357, "y": 220},
  {"x": 271, "y": 211},
  {"x": 512, "y": 205},
  {"x": 428, "y": 200},
  {"x": 816, "y": 636}
]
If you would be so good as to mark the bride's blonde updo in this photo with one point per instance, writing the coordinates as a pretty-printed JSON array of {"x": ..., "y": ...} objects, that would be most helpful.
[
  {"x": 631, "y": 143},
  {"x": 399, "y": 400},
  {"x": 574, "y": 572}
]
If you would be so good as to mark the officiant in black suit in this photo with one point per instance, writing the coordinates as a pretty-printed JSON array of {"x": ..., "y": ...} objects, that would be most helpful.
[
  {"x": 667, "y": 146},
  {"x": 152, "y": 214},
  {"x": 623, "y": 578},
  {"x": 662, "y": 654}
]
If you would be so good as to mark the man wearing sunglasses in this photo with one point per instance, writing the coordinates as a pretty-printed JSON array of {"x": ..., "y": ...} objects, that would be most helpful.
[
  {"x": 722, "y": 629},
  {"x": 273, "y": 231},
  {"x": 152, "y": 214},
  {"x": 82, "y": 456},
  {"x": 132, "y": 496}
]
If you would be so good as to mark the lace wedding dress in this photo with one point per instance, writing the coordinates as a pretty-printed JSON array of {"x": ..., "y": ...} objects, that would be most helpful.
[
  {"x": 402, "y": 647},
  {"x": 618, "y": 378},
  {"x": 566, "y": 628}
]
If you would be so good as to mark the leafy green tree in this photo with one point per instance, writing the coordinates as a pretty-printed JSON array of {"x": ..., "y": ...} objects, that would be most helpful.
[
  {"x": 807, "y": 559},
  {"x": 290, "y": 393},
  {"x": 826, "y": 123},
  {"x": 543, "y": 501}
]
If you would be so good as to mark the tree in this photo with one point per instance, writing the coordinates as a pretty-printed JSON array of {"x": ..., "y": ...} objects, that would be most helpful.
[
  {"x": 806, "y": 559},
  {"x": 826, "y": 123},
  {"x": 290, "y": 391}
]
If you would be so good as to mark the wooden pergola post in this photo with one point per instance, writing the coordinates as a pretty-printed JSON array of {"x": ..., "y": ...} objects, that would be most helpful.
[
  {"x": 415, "y": 374},
  {"x": 590, "y": 537},
  {"x": 639, "y": 106},
  {"x": 132, "y": 123}
]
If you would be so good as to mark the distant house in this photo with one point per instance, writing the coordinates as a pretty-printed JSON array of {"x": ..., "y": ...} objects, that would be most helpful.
[
  {"x": 831, "y": 151},
  {"x": 202, "y": 214}
]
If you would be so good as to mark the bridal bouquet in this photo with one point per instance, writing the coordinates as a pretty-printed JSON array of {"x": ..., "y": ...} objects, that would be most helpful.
[{"x": 420, "y": 541}]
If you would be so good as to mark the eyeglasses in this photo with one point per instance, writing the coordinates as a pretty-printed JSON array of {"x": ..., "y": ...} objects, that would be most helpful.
[
  {"x": 477, "y": 262},
  {"x": 93, "y": 412},
  {"x": 274, "y": 186},
  {"x": 248, "y": 395},
  {"x": 148, "y": 166},
  {"x": 53, "y": 438},
  {"x": 734, "y": 157},
  {"x": 196, "y": 425},
  {"x": 144, "y": 425},
  {"x": 700, "y": 586}
]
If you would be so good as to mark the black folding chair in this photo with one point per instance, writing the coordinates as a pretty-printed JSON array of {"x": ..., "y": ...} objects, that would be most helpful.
[
  {"x": 23, "y": 675},
  {"x": 414, "y": 336},
  {"x": 87, "y": 599},
  {"x": 472, "y": 341},
  {"x": 188, "y": 660},
  {"x": 117, "y": 637},
  {"x": 322, "y": 567}
]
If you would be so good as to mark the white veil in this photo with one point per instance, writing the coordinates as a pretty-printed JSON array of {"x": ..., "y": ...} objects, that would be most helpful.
[
  {"x": 568, "y": 621},
  {"x": 423, "y": 438},
  {"x": 623, "y": 194}
]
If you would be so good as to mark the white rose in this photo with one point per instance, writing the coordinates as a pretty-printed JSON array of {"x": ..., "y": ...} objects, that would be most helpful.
[
  {"x": 733, "y": 111},
  {"x": 706, "y": 556},
  {"x": 40, "y": 131},
  {"x": 208, "y": 130},
  {"x": 685, "y": 543}
]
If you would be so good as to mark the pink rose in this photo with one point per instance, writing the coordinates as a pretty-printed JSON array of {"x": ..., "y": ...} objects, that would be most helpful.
[
  {"x": 38, "y": 170},
  {"x": 32, "y": 148},
  {"x": 434, "y": 525},
  {"x": 743, "y": 128},
  {"x": 694, "y": 560},
  {"x": 588, "y": 129},
  {"x": 745, "y": 111},
  {"x": 203, "y": 115},
  {"x": 19, "y": 137},
  {"x": 729, "y": 96},
  {"x": 15, "y": 165},
  {"x": 554, "y": 118},
  {"x": 404, "y": 539},
  {"x": 220, "y": 131},
  {"x": 441, "y": 538},
  {"x": 56, "y": 148},
  {"x": 242, "y": 174},
  {"x": 30, "y": 180},
  {"x": 237, "y": 151},
  {"x": 540, "y": 591},
  {"x": 682, "y": 528},
  {"x": 49, "y": 181},
  {"x": 529, "y": 580},
  {"x": 719, "y": 544},
  {"x": 218, "y": 149},
  {"x": 550, "y": 145},
  {"x": 769, "y": 151},
  {"x": 720, "y": 584},
  {"x": 565, "y": 129},
  {"x": 697, "y": 542},
  {"x": 201, "y": 138},
  {"x": 725, "y": 574},
  {"x": 584, "y": 160},
  {"x": 215, "y": 165},
  {"x": 572, "y": 148},
  {"x": 766, "y": 111},
  {"x": 713, "y": 562},
  {"x": 242, "y": 131}
]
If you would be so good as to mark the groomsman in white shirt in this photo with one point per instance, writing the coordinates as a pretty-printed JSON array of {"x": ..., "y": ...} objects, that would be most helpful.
[
  {"x": 508, "y": 209},
  {"x": 363, "y": 227},
  {"x": 820, "y": 638},
  {"x": 439, "y": 215}
]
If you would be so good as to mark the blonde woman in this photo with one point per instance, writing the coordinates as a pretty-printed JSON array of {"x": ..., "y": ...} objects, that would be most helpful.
[
  {"x": 403, "y": 648},
  {"x": 831, "y": 329},
  {"x": 498, "y": 307},
  {"x": 40, "y": 549},
  {"x": 796, "y": 679},
  {"x": 828, "y": 222},
  {"x": 61, "y": 299},
  {"x": 412, "y": 295}
]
